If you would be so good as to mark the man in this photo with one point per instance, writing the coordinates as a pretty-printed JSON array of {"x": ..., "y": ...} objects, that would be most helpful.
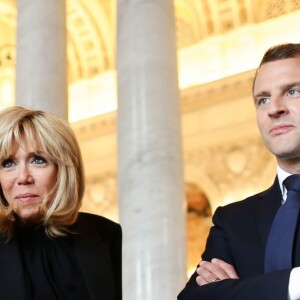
[{"x": 235, "y": 263}]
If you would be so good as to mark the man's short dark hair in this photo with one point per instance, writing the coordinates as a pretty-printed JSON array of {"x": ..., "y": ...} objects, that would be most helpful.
[
  {"x": 278, "y": 52},
  {"x": 282, "y": 51}
]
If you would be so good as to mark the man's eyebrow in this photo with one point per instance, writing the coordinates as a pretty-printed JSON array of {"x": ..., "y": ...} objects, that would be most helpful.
[
  {"x": 283, "y": 87},
  {"x": 262, "y": 93},
  {"x": 290, "y": 85}
]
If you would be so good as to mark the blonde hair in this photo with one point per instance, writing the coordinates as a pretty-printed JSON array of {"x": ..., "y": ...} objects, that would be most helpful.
[{"x": 60, "y": 144}]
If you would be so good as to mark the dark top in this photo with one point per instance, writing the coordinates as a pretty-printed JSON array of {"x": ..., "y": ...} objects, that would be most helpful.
[
  {"x": 51, "y": 267},
  {"x": 91, "y": 259}
]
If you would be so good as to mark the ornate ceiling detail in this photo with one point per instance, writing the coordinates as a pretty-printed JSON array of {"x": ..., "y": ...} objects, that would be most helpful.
[
  {"x": 91, "y": 26},
  {"x": 87, "y": 44},
  {"x": 275, "y": 8},
  {"x": 197, "y": 20}
]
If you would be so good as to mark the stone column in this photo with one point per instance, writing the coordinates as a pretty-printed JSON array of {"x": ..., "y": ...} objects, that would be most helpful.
[
  {"x": 41, "y": 80},
  {"x": 150, "y": 176}
]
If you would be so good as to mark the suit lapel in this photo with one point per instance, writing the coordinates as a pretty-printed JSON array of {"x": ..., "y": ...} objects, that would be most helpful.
[{"x": 269, "y": 203}]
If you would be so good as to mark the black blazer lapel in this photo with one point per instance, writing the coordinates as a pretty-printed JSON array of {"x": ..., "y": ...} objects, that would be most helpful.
[
  {"x": 12, "y": 279},
  {"x": 269, "y": 203},
  {"x": 95, "y": 261}
]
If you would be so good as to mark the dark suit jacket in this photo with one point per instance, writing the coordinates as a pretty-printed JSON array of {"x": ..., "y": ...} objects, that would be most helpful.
[
  {"x": 97, "y": 244},
  {"x": 239, "y": 237}
]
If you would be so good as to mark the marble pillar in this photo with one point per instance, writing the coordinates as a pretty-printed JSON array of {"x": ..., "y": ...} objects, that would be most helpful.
[
  {"x": 41, "y": 78},
  {"x": 150, "y": 168}
]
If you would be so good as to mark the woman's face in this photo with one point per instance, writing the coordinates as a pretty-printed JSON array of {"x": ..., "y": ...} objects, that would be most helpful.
[{"x": 27, "y": 177}]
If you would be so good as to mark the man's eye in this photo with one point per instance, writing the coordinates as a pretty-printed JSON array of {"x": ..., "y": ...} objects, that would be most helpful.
[
  {"x": 7, "y": 163},
  {"x": 38, "y": 160},
  {"x": 264, "y": 100},
  {"x": 293, "y": 92}
]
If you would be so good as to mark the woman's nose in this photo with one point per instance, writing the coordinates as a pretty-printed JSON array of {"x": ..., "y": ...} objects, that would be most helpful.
[{"x": 24, "y": 175}]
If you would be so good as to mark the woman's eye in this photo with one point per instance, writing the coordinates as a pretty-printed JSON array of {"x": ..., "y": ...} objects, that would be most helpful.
[
  {"x": 7, "y": 163},
  {"x": 38, "y": 160}
]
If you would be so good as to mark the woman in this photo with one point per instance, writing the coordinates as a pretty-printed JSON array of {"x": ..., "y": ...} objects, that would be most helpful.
[{"x": 47, "y": 249}]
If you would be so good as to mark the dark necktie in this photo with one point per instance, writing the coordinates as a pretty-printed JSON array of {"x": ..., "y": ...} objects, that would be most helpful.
[{"x": 279, "y": 248}]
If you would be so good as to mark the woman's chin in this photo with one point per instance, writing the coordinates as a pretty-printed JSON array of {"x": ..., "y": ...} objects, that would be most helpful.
[{"x": 29, "y": 217}]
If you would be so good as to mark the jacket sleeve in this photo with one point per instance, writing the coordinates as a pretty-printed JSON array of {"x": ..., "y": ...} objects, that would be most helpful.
[{"x": 271, "y": 286}]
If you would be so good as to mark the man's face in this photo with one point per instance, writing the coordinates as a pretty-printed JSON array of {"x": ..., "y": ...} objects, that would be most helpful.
[{"x": 277, "y": 100}]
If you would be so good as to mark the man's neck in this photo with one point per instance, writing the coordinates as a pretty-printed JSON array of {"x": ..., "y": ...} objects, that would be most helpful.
[{"x": 291, "y": 166}]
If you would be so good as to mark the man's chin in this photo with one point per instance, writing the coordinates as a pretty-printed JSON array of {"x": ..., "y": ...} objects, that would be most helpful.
[
  {"x": 288, "y": 158},
  {"x": 282, "y": 151}
]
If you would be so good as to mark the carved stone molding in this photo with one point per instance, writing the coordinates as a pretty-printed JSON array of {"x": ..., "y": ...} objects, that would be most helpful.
[
  {"x": 233, "y": 166},
  {"x": 216, "y": 92},
  {"x": 101, "y": 196},
  {"x": 96, "y": 126},
  {"x": 197, "y": 232},
  {"x": 7, "y": 56}
]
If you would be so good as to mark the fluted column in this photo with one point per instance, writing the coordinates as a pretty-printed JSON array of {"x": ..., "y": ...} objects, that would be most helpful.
[
  {"x": 41, "y": 80},
  {"x": 150, "y": 179}
]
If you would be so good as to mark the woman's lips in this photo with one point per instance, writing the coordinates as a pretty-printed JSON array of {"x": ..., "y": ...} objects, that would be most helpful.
[{"x": 25, "y": 197}]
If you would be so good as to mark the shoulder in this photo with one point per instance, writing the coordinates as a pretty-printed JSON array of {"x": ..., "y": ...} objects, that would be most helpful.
[
  {"x": 246, "y": 203},
  {"x": 249, "y": 205},
  {"x": 97, "y": 219},
  {"x": 89, "y": 223}
]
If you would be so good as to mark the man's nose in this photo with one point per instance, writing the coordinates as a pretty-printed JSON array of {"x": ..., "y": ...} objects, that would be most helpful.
[{"x": 277, "y": 107}]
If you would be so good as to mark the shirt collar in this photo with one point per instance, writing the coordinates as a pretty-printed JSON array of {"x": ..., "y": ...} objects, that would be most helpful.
[{"x": 282, "y": 175}]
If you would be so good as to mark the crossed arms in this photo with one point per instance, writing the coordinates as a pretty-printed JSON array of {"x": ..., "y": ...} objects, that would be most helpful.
[{"x": 239, "y": 267}]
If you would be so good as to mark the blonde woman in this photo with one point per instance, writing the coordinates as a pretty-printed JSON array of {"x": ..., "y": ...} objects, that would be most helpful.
[{"x": 48, "y": 250}]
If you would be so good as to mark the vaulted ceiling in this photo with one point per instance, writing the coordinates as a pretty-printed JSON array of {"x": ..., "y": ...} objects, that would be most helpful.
[{"x": 91, "y": 27}]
